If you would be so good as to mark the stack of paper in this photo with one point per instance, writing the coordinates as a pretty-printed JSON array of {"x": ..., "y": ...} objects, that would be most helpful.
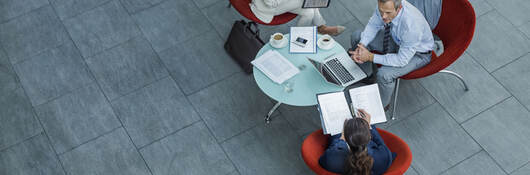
[
  {"x": 307, "y": 33},
  {"x": 368, "y": 98},
  {"x": 334, "y": 109},
  {"x": 275, "y": 66}
]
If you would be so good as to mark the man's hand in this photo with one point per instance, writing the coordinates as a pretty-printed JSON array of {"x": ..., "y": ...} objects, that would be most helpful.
[
  {"x": 364, "y": 54},
  {"x": 355, "y": 55}
]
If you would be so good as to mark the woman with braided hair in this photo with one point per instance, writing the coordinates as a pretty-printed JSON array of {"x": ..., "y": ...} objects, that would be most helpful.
[{"x": 358, "y": 150}]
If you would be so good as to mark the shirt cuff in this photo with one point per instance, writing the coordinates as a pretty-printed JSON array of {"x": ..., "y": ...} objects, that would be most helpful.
[
  {"x": 363, "y": 42},
  {"x": 378, "y": 59}
]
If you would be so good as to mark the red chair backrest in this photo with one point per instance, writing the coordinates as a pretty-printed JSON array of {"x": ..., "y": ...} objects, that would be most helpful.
[
  {"x": 243, "y": 7},
  {"x": 316, "y": 143},
  {"x": 456, "y": 28}
]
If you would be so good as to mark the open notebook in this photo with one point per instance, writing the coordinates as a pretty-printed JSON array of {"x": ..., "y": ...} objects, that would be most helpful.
[{"x": 334, "y": 108}]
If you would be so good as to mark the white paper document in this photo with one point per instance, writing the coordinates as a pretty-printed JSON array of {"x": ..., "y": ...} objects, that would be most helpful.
[
  {"x": 368, "y": 98},
  {"x": 334, "y": 108},
  {"x": 334, "y": 111},
  {"x": 275, "y": 66},
  {"x": 303, "y": 40}
]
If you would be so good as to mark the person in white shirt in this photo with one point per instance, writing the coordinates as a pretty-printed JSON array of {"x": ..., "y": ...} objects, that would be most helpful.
[
  {"x": 397, "y": 37},
  {"x": 265, "y": 10}
]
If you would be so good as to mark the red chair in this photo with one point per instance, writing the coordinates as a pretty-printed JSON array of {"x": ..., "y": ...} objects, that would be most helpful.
[
  {"x": 316, "y": 143},
  {"x": 242, "y": 6},
  {"x": 455, "y": 27}
]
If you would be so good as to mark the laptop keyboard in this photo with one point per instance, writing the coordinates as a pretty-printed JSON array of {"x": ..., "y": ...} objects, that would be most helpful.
[{"x": 339, "y": 70}]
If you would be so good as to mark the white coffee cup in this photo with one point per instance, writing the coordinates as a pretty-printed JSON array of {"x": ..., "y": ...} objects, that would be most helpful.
[
  {"x": 277, "y": 38},
  {"x": 326, "y": 40}
]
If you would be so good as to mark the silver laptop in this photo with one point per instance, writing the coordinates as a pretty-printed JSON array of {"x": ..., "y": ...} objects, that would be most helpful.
[{"x": 339, "y": 69}]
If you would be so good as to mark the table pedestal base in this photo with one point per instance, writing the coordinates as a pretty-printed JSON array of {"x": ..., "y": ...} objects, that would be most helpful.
[{"x": 268, "y": 116}]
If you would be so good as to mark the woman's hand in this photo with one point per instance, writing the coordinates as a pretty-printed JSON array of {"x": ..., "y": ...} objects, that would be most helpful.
[{"x": 364, "y": 115}]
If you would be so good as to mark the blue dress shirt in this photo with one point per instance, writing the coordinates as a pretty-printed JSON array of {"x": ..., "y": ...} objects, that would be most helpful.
[
  {"x": 334, "y": 158},
  {"x": 409, "y": 30}
]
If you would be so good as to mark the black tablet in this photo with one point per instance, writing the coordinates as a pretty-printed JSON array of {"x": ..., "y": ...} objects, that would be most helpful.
[{"x": 316, "y": 3}]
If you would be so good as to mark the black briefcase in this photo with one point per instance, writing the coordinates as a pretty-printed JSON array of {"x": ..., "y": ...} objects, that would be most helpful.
[{"x": 243, "y": 44}]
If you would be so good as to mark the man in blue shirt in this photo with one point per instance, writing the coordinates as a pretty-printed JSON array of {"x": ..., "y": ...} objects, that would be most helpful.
[{"x": 397, "y": 37}]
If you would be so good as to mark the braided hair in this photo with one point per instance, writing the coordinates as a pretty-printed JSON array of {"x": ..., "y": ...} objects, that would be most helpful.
[{"x": 357, "y": 135}]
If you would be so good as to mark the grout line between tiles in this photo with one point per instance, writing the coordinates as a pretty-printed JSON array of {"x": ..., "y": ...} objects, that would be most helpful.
[
  {"x": 169, "y": 134},
  {"x": 88, "y": 141},
  {"x": 459, "y": 162},
  {"x": 211, "y": 84},
  {"x": 22, "y": 141},
  {"x": 527, "y": 163},
  {"x": 412, "y": 114},
  {"x": 353, "y": 15},
  {"x": 138, "y": 89},
  {"x": 193, "y": 106},
  {"x": 508, "y": 63},
  {"x": 497, "y": 80},
  {"x": 101, "y": 90},
  {"x": 471, "y": 136},
  {"x": 486, "y": 109},
  {"x": 24, "y": 14},
  {"x": 36, "y": 117},
  {"x": 46, "y": 134},
  {"x": 144, "y": 9},
  {"x": 85, "y": 11}
]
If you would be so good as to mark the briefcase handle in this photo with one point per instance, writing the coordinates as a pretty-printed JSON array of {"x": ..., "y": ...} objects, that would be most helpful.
[{"x": 256, "y": 29}]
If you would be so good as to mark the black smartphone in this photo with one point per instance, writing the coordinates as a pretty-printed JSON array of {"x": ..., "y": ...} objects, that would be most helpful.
[{"x": 300, "y": 41}]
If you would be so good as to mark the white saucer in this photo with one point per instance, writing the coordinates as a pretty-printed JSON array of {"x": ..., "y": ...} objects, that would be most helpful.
[
  {"x": 329, "y": 46},
  {"x": 281, "y": 45}
]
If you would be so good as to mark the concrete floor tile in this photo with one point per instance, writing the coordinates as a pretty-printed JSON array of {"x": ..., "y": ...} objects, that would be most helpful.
[
  {"x": 272, "y": 148},
  {"x": 496, "y": 41},
  {"x": 503, "y": 132},
  {"x": 484, "y": 90},
  {"x": 514, "y": 10},
  {"x": 480, "y": 163},
  {"x": 192, "y": 150},
  {"x": 199, "y": 62},
  {"x": 154, "y": 111},
  {"x": 70, "y": 8},
  {"x": 113, "y": 153},
  {"x": 53, "y": 73},
  {"x": 14, "y": 8},
  {"x": 127, "y": 67},
  {"x": 77, "y": 117},
  {"x": 435, "y": 139},
  {"x": 516, "y": 78},
  {"x": 231, "y": 106},
  {"x": 171, "y": 22},
  {"x": 134, "y": 6},
  {"x": 101, "y": 28},
  {"x": 32, "y": 33},
  {"x": 18, "y": 119},
  {"x": 33, "y": 156}
]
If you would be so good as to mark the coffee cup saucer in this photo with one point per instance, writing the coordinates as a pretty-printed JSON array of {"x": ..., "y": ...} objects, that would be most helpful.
[
  {"x": 325, "y": 47},
  {"x": 282, "y": 44}
]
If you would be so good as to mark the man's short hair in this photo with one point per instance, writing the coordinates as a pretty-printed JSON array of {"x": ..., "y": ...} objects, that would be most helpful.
[{"x": 397, "y": 3}]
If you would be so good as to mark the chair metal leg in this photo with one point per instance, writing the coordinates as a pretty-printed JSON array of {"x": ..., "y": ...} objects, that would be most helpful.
[
  {"x": 457, "y": 76},
  {"x": 268, "y": 116},
  {"x": 394, "y": 106}
]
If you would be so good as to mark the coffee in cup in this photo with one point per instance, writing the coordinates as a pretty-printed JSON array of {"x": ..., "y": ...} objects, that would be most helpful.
[
  {"x": 326, "y": 40},
  {"x": 276, "y": 39}
]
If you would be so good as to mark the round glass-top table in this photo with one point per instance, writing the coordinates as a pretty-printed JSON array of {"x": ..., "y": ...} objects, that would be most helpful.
[{"x": 305, "y": 85}]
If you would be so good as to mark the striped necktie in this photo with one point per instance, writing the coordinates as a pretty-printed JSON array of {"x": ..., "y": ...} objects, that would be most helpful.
[{"x": 386, "y": 37}]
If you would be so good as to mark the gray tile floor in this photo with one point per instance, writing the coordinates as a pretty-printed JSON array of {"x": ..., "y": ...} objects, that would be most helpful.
[{"x": 110, "y": 87}]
